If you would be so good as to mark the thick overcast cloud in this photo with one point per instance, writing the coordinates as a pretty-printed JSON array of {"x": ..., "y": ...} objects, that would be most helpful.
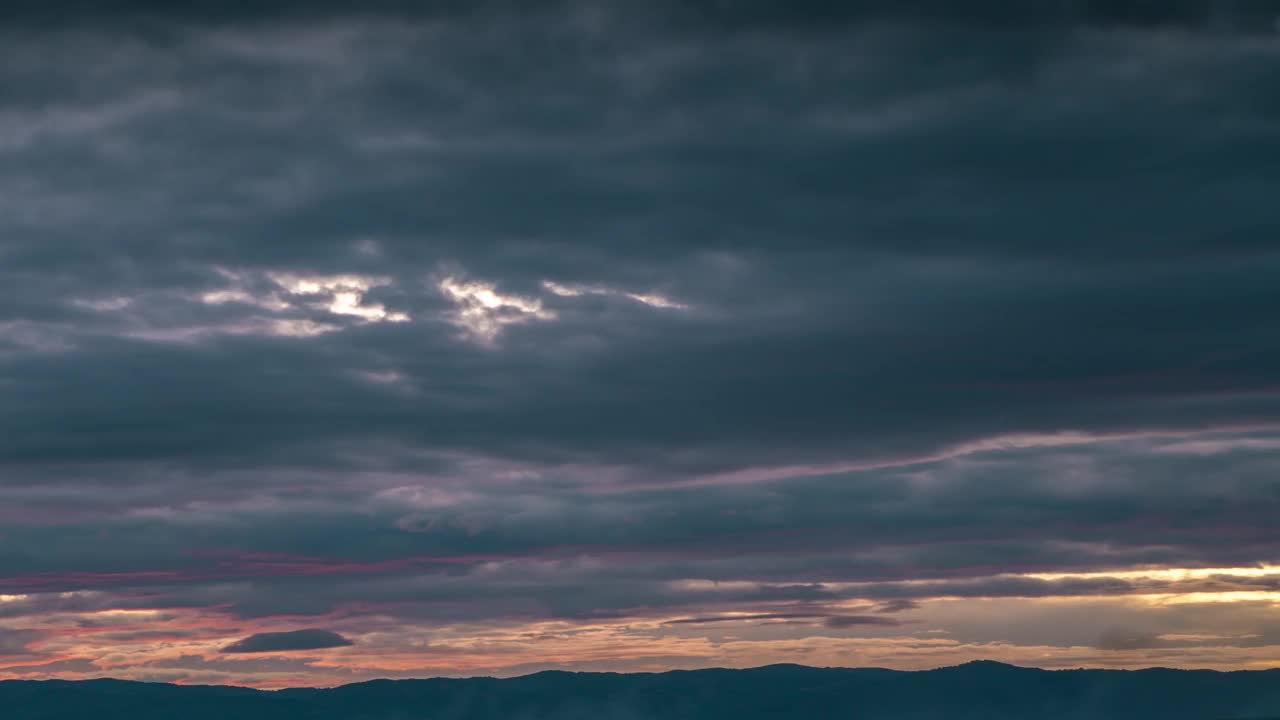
[{"x": 503, "y": 336}]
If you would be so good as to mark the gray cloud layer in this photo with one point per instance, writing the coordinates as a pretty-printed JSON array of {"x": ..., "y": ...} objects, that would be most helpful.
[
  {"x": 493, "y": 312},
  {"x": 830, "y": 316}
]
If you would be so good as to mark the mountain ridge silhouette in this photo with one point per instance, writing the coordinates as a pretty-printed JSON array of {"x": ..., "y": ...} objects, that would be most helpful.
[{"x": 979, "y": 689}]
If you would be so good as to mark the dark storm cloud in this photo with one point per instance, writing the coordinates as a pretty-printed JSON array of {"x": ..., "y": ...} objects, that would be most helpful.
[
  {"x": 882, "y": 234},
  {"x": 284, "y": 641},
  {"x": 828, "y": 313},
  {"x": 758, "y": 14}
]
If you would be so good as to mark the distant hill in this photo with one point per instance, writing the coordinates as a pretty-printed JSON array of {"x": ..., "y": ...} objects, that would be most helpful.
[{"x": 986, "y": 690}]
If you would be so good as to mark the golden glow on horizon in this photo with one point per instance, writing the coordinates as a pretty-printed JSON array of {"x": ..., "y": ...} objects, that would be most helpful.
[
  {"x": 1054, "y": 631},
  {"x": 1226, "y": 596},
  {"x": 1169, "y": 574},
  {"x": 1163, "y": 575}
]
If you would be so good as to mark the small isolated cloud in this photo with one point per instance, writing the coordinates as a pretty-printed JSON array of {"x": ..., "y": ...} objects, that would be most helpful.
[{"x": 312, "y": 639}]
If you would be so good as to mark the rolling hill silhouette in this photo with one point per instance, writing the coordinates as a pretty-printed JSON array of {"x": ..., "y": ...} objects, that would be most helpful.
[{"x": 987, "y": 690}]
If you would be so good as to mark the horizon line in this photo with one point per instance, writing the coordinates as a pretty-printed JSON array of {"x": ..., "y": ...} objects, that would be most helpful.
[{"x": 647, "y": 672}]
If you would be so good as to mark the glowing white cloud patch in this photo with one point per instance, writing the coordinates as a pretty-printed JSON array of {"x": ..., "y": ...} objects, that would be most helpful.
[
  {"x": 347, "y": 302},
  {"x": 109, "y": 304},
  {"x": 279, "y": 327},
  {"x": 337, "y": 294},
  {"x": 236, "y": 292},
  {"x": 126, "y": 614},
  {"x": 318, "y": 284},
  {"x": 218, "y": 297},
  {"x": 699, "y": 585},
  {"x": 291, "y": 327},
  {"x": 346, "y": 294},
  {"x": 1020, "y": 441},
  {"x": 270, "y": 301},
  {"x": 650, "y": 299},
  {"x": 657, "y": 301},
  {"x": 556, "y": 288},
  {"x": 482, "y": 311},
  {"x": 385, "y": 377}
]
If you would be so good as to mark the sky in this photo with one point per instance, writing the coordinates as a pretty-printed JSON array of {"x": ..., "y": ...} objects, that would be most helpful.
[{"x": 454, "y": 339}]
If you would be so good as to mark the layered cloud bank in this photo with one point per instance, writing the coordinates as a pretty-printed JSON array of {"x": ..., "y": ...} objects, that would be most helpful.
[{"x": 615, "y": 337}]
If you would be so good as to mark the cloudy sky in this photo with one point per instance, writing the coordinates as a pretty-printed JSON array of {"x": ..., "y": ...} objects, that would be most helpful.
[{"x": 485, "y": 338}]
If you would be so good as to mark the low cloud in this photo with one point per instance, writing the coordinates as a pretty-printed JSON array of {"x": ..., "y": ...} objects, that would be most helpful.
[
  {"x": 844, "y": 621},
  {"x": 285, "y": 641}
]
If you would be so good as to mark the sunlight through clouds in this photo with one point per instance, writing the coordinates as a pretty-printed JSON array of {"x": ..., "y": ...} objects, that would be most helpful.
[
  {"x": 651, "y": 299},
  {"x": 289, "y": 292},
  {"x": 482, "y": 312}
]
